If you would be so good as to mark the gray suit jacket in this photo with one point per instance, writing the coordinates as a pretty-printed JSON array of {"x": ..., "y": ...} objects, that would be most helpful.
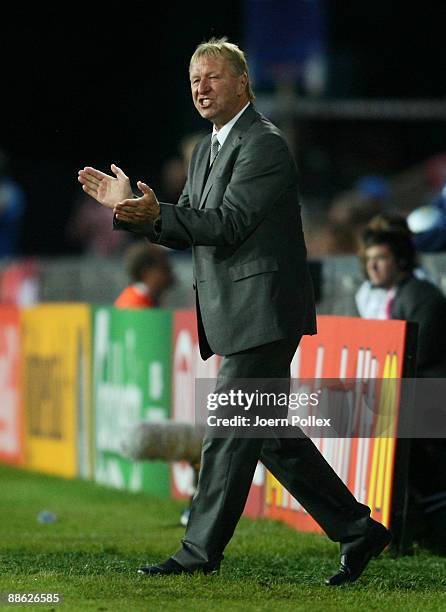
[{"x": 243, "y": 223}]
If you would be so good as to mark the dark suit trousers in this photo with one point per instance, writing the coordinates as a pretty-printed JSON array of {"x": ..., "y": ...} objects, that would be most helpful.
[{"x": 228, "y": 464}]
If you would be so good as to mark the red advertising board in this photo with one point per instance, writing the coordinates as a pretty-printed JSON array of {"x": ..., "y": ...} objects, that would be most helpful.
[
  {"x": 350, "y": 348},
  {"x": 187, "y": 366},
  {"x": 11, "y": 414}
]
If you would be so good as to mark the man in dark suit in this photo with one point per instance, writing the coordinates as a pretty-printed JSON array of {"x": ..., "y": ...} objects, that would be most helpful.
[
  {"x": 389, "y": 259},
  {"x": 240, "y": 213}
]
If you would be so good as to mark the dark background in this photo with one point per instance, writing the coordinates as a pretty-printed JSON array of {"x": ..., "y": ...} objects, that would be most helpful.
[{"x": 88, "y": 85}]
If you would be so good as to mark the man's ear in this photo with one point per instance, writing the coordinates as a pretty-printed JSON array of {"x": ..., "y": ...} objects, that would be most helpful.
[{"x": 243, "y": 81}]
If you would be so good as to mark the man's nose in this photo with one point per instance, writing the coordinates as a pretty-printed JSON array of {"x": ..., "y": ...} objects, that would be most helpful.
[{"x": 203, "y": 86}]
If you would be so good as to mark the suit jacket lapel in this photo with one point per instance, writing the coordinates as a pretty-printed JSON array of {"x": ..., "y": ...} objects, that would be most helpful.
[
  {"x": 201, "y": 172},
  {"x": 211, "y": 175}
]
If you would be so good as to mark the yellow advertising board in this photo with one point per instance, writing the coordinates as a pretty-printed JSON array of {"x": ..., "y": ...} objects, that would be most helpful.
[{"x": 56, "y": 388}]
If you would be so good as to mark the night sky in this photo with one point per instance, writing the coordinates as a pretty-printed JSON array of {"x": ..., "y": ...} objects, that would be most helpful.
[{"x": 83, "y": 85}]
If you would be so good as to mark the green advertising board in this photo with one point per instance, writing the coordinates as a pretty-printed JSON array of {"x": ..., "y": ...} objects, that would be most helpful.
[{"x": 131, "y": 383}]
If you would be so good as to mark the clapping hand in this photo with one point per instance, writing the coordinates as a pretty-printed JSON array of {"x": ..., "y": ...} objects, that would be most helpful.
[
  {"x": 105, "y": 189},
  {"x": 139, "y": 210}
]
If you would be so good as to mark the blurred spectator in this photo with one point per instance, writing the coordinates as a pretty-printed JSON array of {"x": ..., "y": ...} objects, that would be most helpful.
[
  {"x": 428, "y": 224},
  {"x": 376, "y": 188},
  {"x": 390, "y": 259},
  {"x": 149, "y": 269},
  {"x": 174, "y": 171},
  {"x": 12, "y": 210},
  {"x": 371, "y": 300},
  {"x": 19, "y": 283},
  {"x": 418, "y": 185},
  {"x": 322, "y": 237},
  {"x": 89, "y": 229},
  {"x": 351, "y": 211}
]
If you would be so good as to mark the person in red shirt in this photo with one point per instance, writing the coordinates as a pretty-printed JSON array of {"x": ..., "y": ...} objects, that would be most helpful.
[{"x": 150, "y": 271}]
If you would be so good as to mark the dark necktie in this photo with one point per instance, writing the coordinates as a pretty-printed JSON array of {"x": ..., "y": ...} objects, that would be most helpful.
[{"x": 215, "y": 147}]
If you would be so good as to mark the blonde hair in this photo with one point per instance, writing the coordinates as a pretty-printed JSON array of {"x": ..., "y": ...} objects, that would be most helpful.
[{"x": 221, "y": 48}]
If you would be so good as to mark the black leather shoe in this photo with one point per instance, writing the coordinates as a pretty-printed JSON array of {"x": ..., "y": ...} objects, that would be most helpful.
[
  {"x": 357, "y": 554},
  {"x": 172, "y": 568}
]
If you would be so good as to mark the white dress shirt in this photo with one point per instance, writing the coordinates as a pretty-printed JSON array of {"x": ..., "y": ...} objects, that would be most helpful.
[{"x": 223, "y": 132}]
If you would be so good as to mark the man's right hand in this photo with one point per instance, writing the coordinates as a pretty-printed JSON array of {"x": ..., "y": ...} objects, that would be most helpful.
[{"x": 106, "y": 189}]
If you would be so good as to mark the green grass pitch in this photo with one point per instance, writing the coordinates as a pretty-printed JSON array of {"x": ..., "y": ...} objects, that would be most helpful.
[{"x": 90, "y": 553}]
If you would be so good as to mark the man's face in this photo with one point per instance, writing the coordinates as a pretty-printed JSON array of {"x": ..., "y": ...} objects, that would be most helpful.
[
  {"x": 381, "y": 266},
  {"x": 218, "y": 94}
]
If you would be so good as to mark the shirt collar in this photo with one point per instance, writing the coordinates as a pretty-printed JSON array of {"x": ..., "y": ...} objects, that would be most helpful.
[{"x": 223, "y": 132}]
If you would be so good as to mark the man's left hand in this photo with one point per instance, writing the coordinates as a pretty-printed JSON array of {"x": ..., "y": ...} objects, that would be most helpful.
[{"x": 139, "y": 210}]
